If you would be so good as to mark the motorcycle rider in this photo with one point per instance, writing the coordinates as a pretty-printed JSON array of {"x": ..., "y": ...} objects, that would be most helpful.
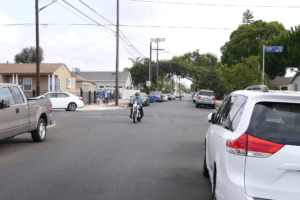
[{"x": 140, "y": 102}]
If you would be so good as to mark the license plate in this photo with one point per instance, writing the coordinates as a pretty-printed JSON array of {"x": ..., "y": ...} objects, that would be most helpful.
[{"x": 206, "y": 99}]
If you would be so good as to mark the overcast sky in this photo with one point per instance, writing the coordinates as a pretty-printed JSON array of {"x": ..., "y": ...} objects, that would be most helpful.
[{"x": 58, "y": 40}]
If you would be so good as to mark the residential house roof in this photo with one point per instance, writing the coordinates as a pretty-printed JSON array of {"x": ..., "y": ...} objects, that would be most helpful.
[
  {"x": 28, "y": 68},
  {"x": 80, "y": 79},
  {"x": 281, "y": 80},
  {"x": 102, "y": 76},
  {"x": 295, "y": 75}
]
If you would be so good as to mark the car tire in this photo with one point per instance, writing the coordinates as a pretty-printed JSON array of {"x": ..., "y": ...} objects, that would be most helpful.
[
  {"x": 197, "y": 106},
  {"x": 194, "y": 101},
  {"x": 67, "y": 109},
  {"x": 72, "y": 106},
  {"x": 148, "y": 103},
  {"x": 214, "y": 184},
  {"x": 214, "y": 107},
  {"x": 205, "y": 170},
  {"x": 39, "y": 135}
]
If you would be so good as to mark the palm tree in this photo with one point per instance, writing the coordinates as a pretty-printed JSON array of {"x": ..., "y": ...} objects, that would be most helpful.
[
  {"x": 136, "y": 60},
  {"x": 248, "y": 17}
]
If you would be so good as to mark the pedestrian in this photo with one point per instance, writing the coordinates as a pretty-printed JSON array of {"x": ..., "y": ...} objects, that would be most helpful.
[
  {"x": 105, "y": 96},
  {"x": 99, "y": 94}
]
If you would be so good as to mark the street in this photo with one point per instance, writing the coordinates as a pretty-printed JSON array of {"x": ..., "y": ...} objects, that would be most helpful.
[{"x": 104, "y": 155}]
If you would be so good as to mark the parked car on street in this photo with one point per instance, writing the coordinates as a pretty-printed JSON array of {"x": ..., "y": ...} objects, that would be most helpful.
[
  {"x": 252, "y": 147},
  {"x": 63, "y": 100},
  {"x": 158, "y": 96},
  {"x": 195, "y": 96},
  {"x": 173, "y": 96},
  {"x": 165, "y": 97},
  {"x": 20, "y": 115},
  {"x": 206, "y": 98},
  {"x": 145, "y": 97},
  {"x": 169, "y": 96}
]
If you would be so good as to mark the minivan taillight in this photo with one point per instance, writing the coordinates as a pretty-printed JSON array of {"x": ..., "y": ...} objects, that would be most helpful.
[
  {"x": 50, "y": 107},
  {"x": 199, "y": 97},
  {"x": 252, "y": 146}
]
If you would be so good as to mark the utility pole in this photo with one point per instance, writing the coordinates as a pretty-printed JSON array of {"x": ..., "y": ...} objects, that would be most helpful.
[
  {"x": 37, "y": 48},
  {"x": 157, "y": 40},
  {"x": 150, "y": 67},
  {"x": 117, "y": 59}
]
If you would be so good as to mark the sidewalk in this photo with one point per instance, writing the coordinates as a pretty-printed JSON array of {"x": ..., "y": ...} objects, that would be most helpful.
[{"x": 104, "y": 107}]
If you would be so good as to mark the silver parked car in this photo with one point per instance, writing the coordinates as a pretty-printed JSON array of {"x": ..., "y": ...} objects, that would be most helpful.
[
  {"x": 206, "y": 98},
  {"x": 20, "y": 115}
]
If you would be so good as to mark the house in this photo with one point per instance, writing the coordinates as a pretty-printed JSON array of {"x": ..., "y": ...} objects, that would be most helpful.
[
  {"x": 84, "y": 84},
  {"x": 295, "y": 80},
  {"x": 284, "y": 83},
  {"x": 107, "y": 80},
  {"x": 53, "y": 77}
]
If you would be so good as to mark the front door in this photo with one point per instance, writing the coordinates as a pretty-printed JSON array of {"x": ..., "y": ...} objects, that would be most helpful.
[
  {"x": 63, "y": 100},
  {"x": 9, "y": 124}
]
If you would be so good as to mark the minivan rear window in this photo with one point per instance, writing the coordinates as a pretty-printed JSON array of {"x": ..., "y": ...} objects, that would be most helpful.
[
  {"x": 276, "y": 122},
  {"x": 210, "y": 94}
]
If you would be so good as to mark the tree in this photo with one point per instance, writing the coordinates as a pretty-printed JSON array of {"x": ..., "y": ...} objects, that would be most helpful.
[
  {"x": 247, "y": 40},
  {"x": 247, "y": 17},
  {"x": 28, "y": 55},
  {"x": 276, "y": 64},
  {"x": 244, "y": 74}
]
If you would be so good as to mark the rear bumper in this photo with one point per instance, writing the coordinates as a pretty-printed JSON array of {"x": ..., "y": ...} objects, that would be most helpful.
[
  {"x": 205, "y": 102},
  {"x": 230, "y": 184}
]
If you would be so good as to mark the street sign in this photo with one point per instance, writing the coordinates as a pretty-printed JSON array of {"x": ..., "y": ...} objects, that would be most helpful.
[
  {"x": 274, "y": 49},
  {"x": 163, "y": 89},
  {"x": 113, "y": 74},
  {"x": 148, "y": 83}
]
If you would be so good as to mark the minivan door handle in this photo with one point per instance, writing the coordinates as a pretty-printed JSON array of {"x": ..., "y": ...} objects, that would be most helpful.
[
  {"x": 291, "y": 167},
  {"x": 17, "y": 110}
]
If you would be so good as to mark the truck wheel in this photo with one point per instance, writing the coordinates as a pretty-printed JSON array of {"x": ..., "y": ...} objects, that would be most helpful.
[
  {"x": 39, "y": 135},
  {"x": 72, "y": 107}
]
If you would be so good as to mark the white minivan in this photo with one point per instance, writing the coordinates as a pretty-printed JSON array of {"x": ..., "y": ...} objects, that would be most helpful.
[{"x": 252, "y": 148}]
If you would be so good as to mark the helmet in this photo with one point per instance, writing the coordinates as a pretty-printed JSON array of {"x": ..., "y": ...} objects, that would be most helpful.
[{"x": 137, "y": 94}]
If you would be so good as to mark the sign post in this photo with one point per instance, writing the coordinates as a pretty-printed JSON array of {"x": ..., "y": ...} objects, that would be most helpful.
[{"x": 269, "y": 49}]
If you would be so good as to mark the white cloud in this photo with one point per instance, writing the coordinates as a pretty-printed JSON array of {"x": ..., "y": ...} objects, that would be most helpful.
[{"x": 8, "y": 34}]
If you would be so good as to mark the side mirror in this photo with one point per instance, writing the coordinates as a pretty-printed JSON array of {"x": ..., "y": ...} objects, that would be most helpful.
[
  {"x": 4, "y": 104},
  {"x": 211, "y": 117}
]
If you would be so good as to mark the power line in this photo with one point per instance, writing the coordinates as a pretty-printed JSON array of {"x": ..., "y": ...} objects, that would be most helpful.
[
  {"x": 139, "y": 26},
  {"x": 155, "y": 19},
  {"x": 136, "y": 18},
  {"x": 95, "y": 54},
  {"x": 89, "y": 17},
  {"x": 78, "y": 48},
  {"x": 202, "y": 4},
  {"x": 147, "y": 18}
]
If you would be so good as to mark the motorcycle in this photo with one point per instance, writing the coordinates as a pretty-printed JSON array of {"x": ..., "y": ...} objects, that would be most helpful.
[{"x": 136, "y": 116}]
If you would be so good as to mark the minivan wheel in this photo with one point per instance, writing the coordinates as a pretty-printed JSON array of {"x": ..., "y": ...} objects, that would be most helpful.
[
  {"x": 214, "y": 185},
  {"x": 205, "y": 170},
  {"x": 39, "y": 135}
]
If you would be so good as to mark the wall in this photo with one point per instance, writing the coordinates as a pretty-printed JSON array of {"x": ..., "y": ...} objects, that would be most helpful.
[
  {"x": 80, "y": 85},
  {"x": 127, "y": 93},
  {"x": 128, "y": 81},
  {"x": 109, "y": 83},
  {"x": 63, "y": 73},
  {"x": 296, "y": 81}
]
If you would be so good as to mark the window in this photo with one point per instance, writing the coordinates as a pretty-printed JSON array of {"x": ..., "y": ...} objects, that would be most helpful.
[
  {"x": 225, "y": 117},
  {"x": 73, "y": 83},
  {"x": 296, "y": 87},
  {"x": 59, "y": 84},
  {"x": 6, "y": 95},
  {"x": 120, "y": 86},
  {"x": 276, "y": 122},
  {"x": 210, "y": 94},
  {"x": 18, "y": 95},
  {"x": 69, "y": 83},
  {"x": 220, "y": 111},
  {"x": 11, "y": 81},
  {"x": 236, "y": 113},
  {"x": 55, "y": 84},
  {"x": 53, "y": 95},
  {"x": 101, "y": 86},
  {"x": 27, "y": 82},
  {"x": 62, "y": 95}
]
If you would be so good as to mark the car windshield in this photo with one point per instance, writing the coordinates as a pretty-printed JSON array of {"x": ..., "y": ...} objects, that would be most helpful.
[
  {"x": 143, "y": 95},
  {"x": 276, "y": 122},
  {"x": 204, "y": 93}
]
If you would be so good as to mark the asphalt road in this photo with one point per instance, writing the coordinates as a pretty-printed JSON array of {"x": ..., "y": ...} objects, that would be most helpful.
[{"x": 103, "y": 155}]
